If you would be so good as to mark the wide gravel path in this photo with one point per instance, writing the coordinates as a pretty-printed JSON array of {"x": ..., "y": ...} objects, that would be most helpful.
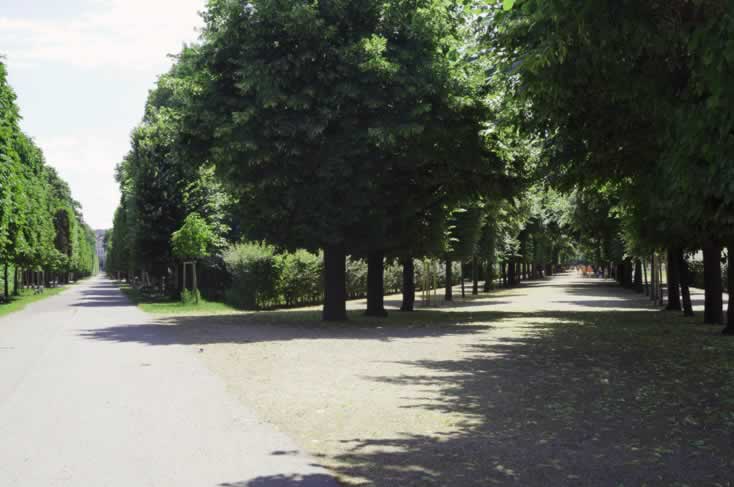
[{"x": 75, "y": 410}]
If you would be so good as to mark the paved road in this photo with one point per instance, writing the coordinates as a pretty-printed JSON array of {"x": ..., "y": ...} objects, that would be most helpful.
[{"x": 77, "y": 411}]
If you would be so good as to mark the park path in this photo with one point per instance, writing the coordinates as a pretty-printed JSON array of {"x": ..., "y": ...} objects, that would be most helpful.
[{"x": 85, "y": 412}]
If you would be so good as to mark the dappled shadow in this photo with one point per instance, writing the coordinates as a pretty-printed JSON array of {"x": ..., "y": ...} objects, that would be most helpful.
[
  {"x": 580, "y": 399},
  {"x": 313, "y": 480},
  {"x": 572, "y": 398},
  {"x": 458, "y": 302}
]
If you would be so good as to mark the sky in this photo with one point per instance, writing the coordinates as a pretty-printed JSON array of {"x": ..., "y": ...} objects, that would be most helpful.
[{"x": 82, "y": 70}]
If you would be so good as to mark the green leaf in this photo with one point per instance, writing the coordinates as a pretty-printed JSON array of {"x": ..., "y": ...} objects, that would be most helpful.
[{"x": 508, "y": 4}]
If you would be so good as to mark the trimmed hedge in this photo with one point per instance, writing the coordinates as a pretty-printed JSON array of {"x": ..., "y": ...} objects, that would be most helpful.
[{"x": 263, "y": 278}]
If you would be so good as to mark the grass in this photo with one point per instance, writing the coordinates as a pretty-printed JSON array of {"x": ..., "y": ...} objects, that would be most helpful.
[
  {"x": 17, "y": 303},
  {"x": 171, "y": 307}
]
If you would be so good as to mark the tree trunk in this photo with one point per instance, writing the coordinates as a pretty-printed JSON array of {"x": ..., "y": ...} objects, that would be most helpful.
[
  {"x": 729, "y": 330},
  {"x": 449, "y": 294},
  {"x": 489, "y": 277},
  {"x": 475, "y": 275},
  {"x": 713, "y": 307},
  {"x": 196, "y": 284},
  {"x": 685, "y": 282},
  {"x": 16, "y": 290},
  {"x": 408, "y": 285},
  {"x": 511, "y": 272},
  {"x": 674, "y": 303},
  {"x": 335, "y": 283},
  {"x": 638, "y": 276},
  {"x": 653, "y": 278},
  {"x": 7, "y": 282},
  {"x": 645, "y": 284},
  {"x": 376, "y": 284},
  {"x": 463, "y": 275}
]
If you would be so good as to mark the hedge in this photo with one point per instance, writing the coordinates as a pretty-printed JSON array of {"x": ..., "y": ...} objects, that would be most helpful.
[{"x": 261, "y": 277}]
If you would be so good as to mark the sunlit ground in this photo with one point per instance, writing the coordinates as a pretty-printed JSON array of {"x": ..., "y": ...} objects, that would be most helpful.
[{"x": 567, "y": 382}]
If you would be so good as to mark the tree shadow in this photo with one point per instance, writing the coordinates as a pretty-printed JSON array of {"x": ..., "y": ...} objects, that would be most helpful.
[
  {"x": 289, "y": 325},
  {"x": 582, "y": 399}
]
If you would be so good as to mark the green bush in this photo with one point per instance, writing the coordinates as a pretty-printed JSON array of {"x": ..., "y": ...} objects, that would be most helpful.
[
  {"x": 393, "y": 278},
  {"x": 301, "y": 278},
  {"x": 190, "y": 297},
  {"x": 356, "y": 278},
  {"x": 255, "y": 270}
]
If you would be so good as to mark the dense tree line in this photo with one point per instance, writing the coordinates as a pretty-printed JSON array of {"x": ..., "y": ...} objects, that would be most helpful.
[
  {"x": 635, "y": 100},
  {"x": 43, "y": 237},
  {"x": 509, "y": 137}
]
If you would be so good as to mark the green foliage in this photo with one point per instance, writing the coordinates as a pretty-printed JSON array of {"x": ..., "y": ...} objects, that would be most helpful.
[
  {"x": 256, "y": 271},
  {"x": 41, "y": 226},
  {"x": 189, "y": 297},
  {"x": 300, "y": 277},
  {"x": 193, "y": 240}
]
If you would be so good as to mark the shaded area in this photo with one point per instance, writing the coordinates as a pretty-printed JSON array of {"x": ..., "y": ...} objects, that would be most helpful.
[
  {"x": 584, "y": 399},
  {"x": 575, "y": 398},
  {"x": 288, "y": 325},
  {"x": 102, "y": 294}
]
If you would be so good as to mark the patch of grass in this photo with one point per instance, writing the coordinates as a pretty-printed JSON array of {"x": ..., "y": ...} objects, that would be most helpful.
[
  {"x": 171, "y": 307},
  {"x": 17, "y": 303}
]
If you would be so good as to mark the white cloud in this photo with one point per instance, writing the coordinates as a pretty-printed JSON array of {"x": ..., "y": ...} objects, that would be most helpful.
[
  {"x": 82, "y": 81},
  {"x": 122, "y": 34},
  {"x": 85, "y": 162}
]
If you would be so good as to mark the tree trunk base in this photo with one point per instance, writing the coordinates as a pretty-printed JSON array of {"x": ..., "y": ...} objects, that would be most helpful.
[{"x": 728, "y": 331}]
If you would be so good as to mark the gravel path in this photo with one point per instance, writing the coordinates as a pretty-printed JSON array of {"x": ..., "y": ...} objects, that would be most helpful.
[
  {"x": 521, "y": 387},
  {"x": 78, "y": 411}
]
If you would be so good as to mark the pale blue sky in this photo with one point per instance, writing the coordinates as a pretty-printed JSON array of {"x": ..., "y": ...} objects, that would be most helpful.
[{"x": 82, "y": 70}]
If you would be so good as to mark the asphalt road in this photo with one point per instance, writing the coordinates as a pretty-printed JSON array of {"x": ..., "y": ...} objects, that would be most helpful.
[{"x": 78, "y": 411}]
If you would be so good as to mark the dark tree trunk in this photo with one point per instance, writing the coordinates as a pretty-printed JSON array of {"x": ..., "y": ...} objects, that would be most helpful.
[
  {"x": 7, "y": 282},
  {"x": 489, "y": 277},
  {"x": 674, "y": 303},
  {"x": 685, "y": 282},
  {"x": 376, "y": 284},
  {"x": 475, "y": 275},
  {"x": 335, "y": 284},
  {"x": 729, "y": 330},
  {"x": 449, "y": 294},
  {"x": 638, "y": 276},
  {"x": 511, "y": 272},
  {"x": 408, "y": 285},
  {"x": 713, "y": 307},
  {"x": 16, "y": 287},
  {"x": 463, "y": 274}
]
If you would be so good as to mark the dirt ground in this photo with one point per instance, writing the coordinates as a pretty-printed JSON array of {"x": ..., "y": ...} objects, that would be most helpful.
[{"x": 569, "y": 381}]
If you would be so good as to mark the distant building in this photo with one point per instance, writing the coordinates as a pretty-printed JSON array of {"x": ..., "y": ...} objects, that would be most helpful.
[{"x": 101, "y": 251}]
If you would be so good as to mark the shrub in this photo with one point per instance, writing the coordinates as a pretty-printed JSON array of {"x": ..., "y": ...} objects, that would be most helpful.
[
  {"x": 356, "y": 278},
  {"x": 393, "y": 278},
  {"x": 190, "y": 297},
  {"x": 300, "y": 278},
  {"x": 255, "y": 272}
]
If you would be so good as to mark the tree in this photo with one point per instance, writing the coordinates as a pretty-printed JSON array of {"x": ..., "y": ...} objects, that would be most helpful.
[
  {"x": 329, "y": 98},
  {"x": 191, "y": 242}
]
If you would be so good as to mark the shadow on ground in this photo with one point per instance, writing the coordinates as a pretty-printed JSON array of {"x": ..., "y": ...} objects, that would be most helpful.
[
  {"x": 584, "y": 399},
  {"x": 579, "y": 398}
]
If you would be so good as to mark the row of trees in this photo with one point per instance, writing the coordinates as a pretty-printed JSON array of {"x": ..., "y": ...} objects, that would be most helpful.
[
  {"x": 43, "y": 236},
  {"x": 508, "y": 138},
  {"x": 354, "y": 128},
  {"x": 635, "y": 100}
]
